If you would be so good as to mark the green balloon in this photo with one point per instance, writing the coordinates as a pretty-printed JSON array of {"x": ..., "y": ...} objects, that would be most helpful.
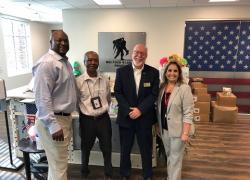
[
  {"x": 76, "y": 67},
  {"x": 76, "y": 64},
  {"x": 184, "y": 61},
  {"x": 77, "y": 73}
]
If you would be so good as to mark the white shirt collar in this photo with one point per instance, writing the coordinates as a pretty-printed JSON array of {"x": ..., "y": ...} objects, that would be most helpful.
[
  {"x": 135, "y": 69},
  {"x": 57, "y": 56},
  {"x": 86, "y": 76}
]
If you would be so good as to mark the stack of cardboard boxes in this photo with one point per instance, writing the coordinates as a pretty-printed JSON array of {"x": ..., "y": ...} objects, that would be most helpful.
[
  {"x": 201, "y": 100},
  {"x": 224, "y": 109}
]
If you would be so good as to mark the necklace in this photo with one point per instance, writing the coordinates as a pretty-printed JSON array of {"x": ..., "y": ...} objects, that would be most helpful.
[{"x": 169, "y": 88}]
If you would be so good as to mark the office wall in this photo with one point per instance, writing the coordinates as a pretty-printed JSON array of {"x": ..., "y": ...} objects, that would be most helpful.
[
  {"x": 40, "y": 44},
  {"x": 164, "y": 26}
]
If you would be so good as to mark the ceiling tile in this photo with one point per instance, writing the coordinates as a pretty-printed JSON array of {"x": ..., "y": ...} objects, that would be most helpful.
[
  {"x": 45, "y": 8},
  {"x": 55, "y": 4},
  {"x": 82, "y": 3},
  {"x": 136, "y": 3}
]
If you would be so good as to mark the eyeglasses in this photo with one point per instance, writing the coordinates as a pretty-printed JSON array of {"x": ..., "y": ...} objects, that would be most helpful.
[{"x": 139, "y": 53}]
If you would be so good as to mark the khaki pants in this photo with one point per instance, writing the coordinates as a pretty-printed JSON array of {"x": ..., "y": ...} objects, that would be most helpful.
[{"x": 56, "y": 151}]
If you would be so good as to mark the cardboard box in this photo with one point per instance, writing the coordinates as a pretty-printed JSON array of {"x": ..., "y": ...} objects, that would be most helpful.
[
  {"x": 202, "y": 98},
  {"x": 225, "y": 100},
  {"x": 223, "y": 114},
  {"x": 197, "y": 79},
  {"x": 199, "y": 91},
  {"x": 197, "y": 85},
  {"x": 201, "y": 117},
  {"x": 202, "y": 108}
]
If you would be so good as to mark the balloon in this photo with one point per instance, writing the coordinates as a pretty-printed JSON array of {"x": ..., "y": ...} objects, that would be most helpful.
[
  {"x": 163, "y": 61},
  {"x": 184, "y": 61},
  {"x": 76, "y": 64},
  {"x": 175, "y": 57}
]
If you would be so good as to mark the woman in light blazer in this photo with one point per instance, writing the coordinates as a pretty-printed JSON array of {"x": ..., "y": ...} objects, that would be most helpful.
[{"x": 175, "y": 116}]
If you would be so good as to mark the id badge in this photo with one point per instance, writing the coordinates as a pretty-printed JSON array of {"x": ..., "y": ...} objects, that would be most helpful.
[{"x": 96, "y": 102}]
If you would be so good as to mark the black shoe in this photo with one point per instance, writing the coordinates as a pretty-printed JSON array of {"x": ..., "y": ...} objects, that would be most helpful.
[
  {"x": 84, "y": 177},
  {"x": 149, "y": 178}
]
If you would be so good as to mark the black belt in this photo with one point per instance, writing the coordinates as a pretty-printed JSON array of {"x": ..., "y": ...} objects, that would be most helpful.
[
  {"x": 95, "y": 117},
  {"x": 62, "y": 114}
]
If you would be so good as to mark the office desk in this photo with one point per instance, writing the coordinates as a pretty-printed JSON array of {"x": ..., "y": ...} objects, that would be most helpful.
[
  {"x": 28, "y": 147},
  {"x": 22, "y": 104}
]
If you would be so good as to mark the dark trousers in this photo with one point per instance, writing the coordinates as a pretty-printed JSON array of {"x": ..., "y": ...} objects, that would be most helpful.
[
  {"x": 90, "y": 128},
  {"x": 144, "y": 139}
]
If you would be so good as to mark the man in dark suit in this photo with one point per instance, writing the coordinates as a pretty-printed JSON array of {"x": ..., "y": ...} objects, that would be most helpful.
[{"x": 136, "y": 90}]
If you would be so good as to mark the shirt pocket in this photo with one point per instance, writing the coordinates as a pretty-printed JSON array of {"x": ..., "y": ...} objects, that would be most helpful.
[
  {"x": 84, "y": 94},
  {"x": 101, "y": 92}
]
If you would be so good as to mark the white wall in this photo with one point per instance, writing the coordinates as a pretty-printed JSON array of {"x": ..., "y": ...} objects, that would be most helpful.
[
  {"x": 40, "y": 33},
  {"x": 39, "y": 39},
  {"x": 164, "y": 26}
]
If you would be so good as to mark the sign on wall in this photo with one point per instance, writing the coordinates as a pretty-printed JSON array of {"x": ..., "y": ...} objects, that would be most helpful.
[{"x": 115, "y": 48}]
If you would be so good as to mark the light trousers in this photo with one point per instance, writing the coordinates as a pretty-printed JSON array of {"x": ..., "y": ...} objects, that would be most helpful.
[
  {"x": 174, "y": 148},
  {"x": 56, "y": 151}
]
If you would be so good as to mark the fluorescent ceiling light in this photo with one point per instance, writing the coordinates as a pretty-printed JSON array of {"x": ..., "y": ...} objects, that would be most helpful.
[
  {"x": 33, "y": 11},
  {"x": 223, "y": 0},
  {"x": 108, "y": 2}
]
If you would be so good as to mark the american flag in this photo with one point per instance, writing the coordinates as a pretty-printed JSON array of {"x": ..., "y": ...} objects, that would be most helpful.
[{"x": 219, "y": 51}]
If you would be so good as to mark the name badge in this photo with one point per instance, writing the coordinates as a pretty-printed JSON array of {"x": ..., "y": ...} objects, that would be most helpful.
[
  {"x": 96, "y": 102},
  {"x": 147, "y": 84}
]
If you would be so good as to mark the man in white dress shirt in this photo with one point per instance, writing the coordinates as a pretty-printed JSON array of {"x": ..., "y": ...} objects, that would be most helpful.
[{"x": 95, "y": 98}]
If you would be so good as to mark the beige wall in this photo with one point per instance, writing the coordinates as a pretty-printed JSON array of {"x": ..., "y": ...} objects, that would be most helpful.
[
  {"x": 40, "y": 45},
  {"x": 40, "y": 34},
  {"x": 39, "y": 39},
  {"x": 164, "y": 26}
]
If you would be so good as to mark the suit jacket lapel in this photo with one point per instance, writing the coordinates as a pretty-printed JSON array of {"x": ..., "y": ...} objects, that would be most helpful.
[{"x": 172, "y": 96}]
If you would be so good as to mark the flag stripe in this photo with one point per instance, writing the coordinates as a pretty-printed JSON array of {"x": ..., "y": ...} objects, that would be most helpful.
[
  {"x": 244, "y": 108},
  {"x": 235, "y": 88},
  {"x": 237, "y": 94},
  {"x": 220, "y": 74},
  {"x": 227, "y": 81}
]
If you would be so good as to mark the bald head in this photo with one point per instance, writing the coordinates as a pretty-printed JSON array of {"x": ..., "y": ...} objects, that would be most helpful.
[
  {"x": 139, "y": 55},
  {"x": 90, "y": 53},
  {"x": 59, "y": 42},
  {"x": 91, "y": 61}
]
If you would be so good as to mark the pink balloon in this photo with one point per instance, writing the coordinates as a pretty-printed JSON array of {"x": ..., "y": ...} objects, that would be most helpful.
[{"x": 163, "y": 61}]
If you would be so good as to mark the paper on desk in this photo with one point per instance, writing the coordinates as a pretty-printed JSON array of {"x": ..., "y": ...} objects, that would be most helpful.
[{"x": 27, "y": 101}]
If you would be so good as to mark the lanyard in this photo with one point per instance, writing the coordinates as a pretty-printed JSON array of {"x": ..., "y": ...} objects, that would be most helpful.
[{"x": 93, "y": 87}]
